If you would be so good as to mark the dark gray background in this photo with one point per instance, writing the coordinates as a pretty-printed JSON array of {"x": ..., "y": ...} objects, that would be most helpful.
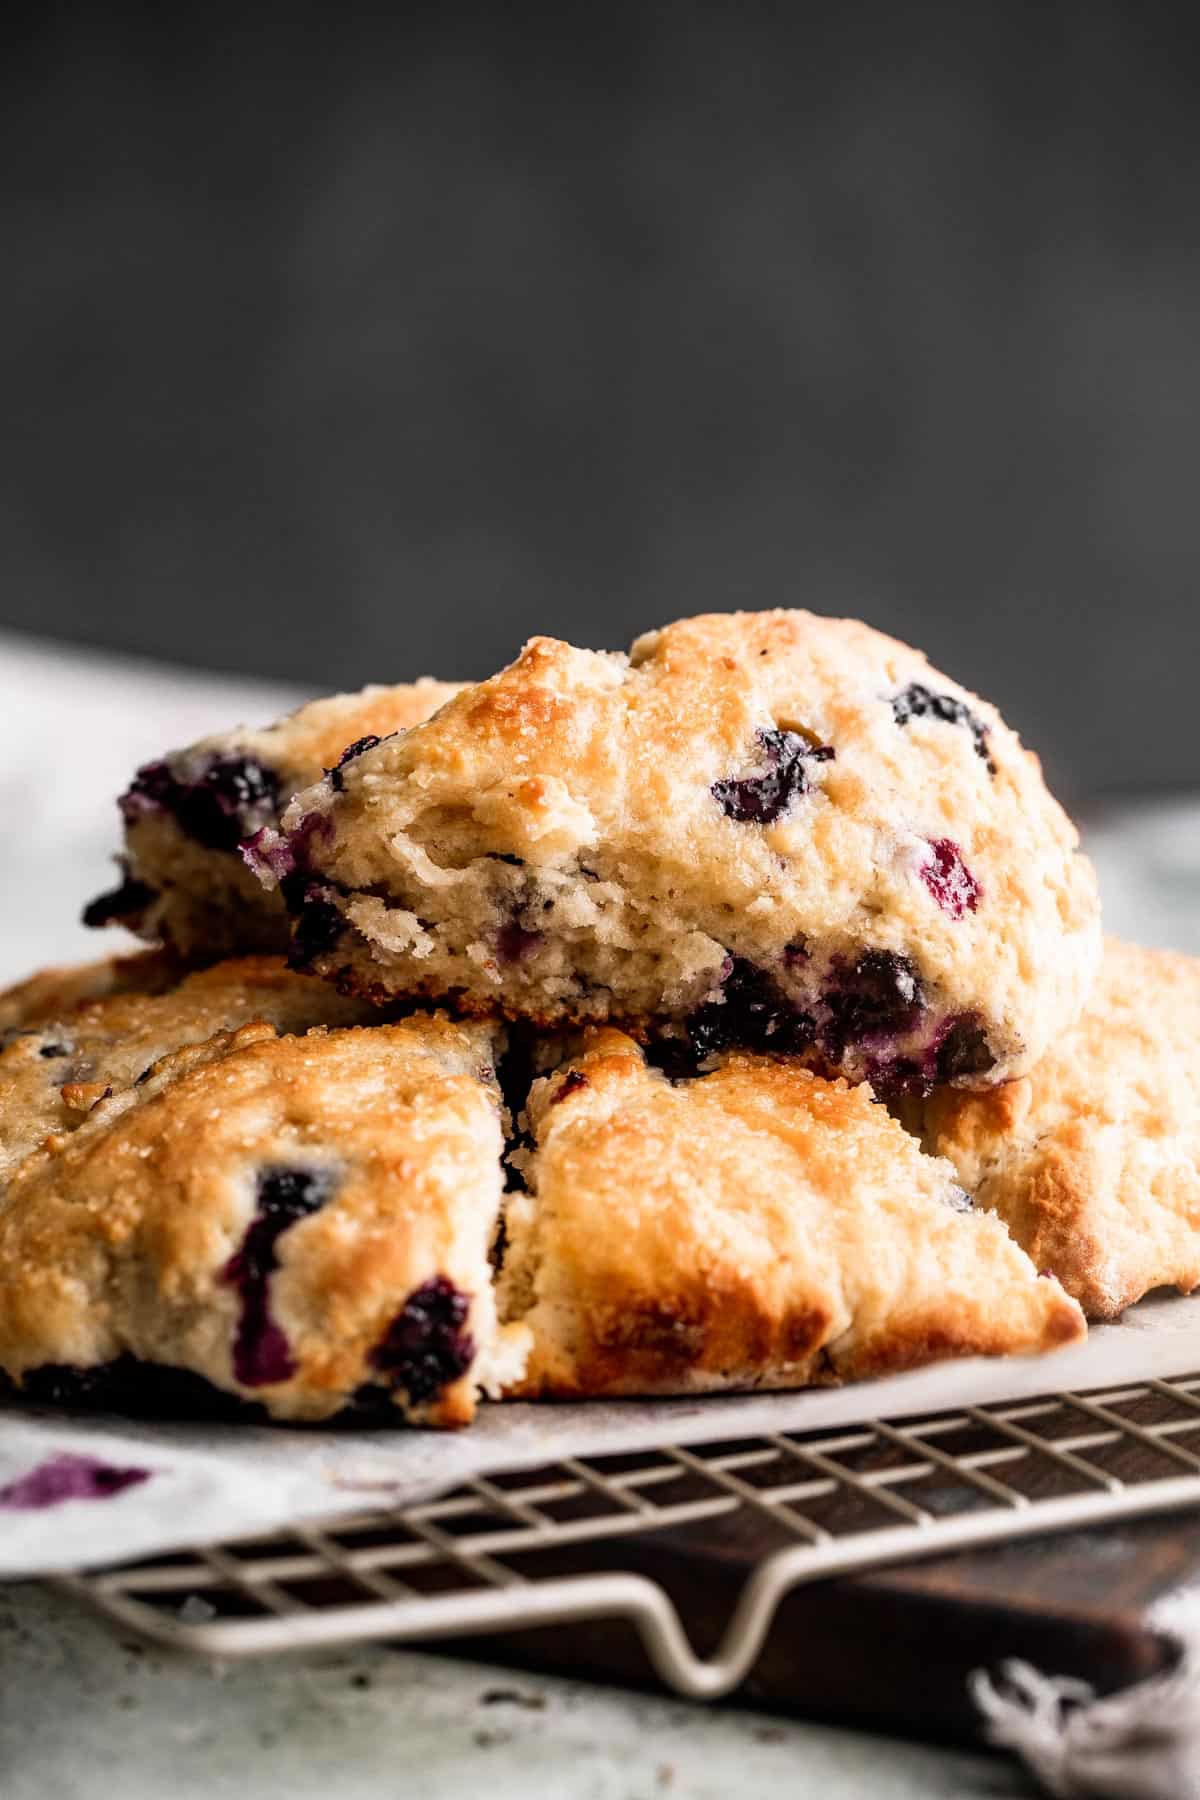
[{"x": 358, "y": 347}]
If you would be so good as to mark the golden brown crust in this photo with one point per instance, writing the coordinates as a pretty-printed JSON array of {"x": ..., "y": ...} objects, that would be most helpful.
[
  {"x": 53, "y": 993},
  {"x": 757, "y": 1226},
  {"x": 1093, "y": 1160},
  {"x": 123, "y": 1241},
  {"x": 63, "y": 1061}
]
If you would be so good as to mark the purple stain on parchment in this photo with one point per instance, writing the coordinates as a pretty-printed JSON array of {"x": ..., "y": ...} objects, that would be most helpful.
[{"x": 68, "y": 1477}]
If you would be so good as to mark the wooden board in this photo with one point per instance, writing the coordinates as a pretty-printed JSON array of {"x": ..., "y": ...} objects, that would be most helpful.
[{"x": 893, "y": 1649}]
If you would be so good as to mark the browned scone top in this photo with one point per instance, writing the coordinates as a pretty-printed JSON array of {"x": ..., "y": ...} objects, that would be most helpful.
[
  {"x": 755, "y": 1227},
  {"x": 50, "y": 993},
  {"x": 1093, "y": 1159},
  {"x": 184, "y": 882},
  {"x": 302, "y": 1222},
  {"x": 70, "y": 1049}
]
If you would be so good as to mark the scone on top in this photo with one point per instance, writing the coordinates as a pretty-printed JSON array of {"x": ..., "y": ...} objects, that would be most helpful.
[
  {"x": 303, "y": 1223},
  {"x": 184, "y": 883},
  {"x": 1093, "y": 1159},
  {"x": 764, "y": 829},
  {"x": 758, "y": 1226},
  {"x": 71, "y": 1050}
]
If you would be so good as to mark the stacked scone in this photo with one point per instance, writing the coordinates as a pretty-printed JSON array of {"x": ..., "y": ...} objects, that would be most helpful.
[{"x": 728, "y": 1014}]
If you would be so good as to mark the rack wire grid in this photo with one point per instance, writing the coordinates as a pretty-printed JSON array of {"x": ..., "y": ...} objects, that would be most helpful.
[{"x": 472, "y": 1562}]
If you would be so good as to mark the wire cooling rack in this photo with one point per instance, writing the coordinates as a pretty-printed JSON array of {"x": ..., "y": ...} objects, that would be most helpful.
[{"x": 488, "y": 1557}]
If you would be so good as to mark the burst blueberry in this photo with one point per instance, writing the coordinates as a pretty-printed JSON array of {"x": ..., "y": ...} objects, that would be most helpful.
[
  {"x": 261, "y": 1353},
  {"x": 949, "y": 880},
  {"x": 919, "y": 702},
  {"x": 752, "y": 1012},
  {"x": 964, "y": 1050},
  {"x": 337, "y": 780},
  {"x": 219, "y": 802},
  {"x": 763, "y": 798},
  {"x": 426, "y": 1346},
  {"x": 878, "y": 997},
  {"x": 317, "y": 924}
]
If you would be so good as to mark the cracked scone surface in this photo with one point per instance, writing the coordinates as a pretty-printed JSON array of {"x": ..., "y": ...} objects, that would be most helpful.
[
  {"x": 298, "y": 1222},
  {"x": 767, "y": 829},
  {"x": 1093, "y": 1159},
  {"x": 758, "y": 1226},
  {"x": 69, "y": 1049},
  {"x": 184, "y": 882}
]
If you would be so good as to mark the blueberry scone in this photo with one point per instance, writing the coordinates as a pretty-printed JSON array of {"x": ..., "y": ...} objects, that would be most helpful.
[
  {"x": 52, "y": 992},
  {"x": 298, "y": 1222},
  {"x": 768, "y": 830},
  {"x": 1093, "y": 1160},
  {"x": 65, "y": 1058},
  {"x": 758, "y": 1226},
  {"x": 183, "y": 880}
]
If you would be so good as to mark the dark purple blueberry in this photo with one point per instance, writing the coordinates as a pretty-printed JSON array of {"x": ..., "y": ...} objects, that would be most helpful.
[
  {"x": 51, "y": 1051},
  {"x": 575, "y": 1080},
  {"x": 949, "y": 880},
  {"x": 426, "y": 1347},
  {"x": 120, "y": 905},
  {"x": 761, "y": 799},
  {"x": 261, "y": 1353},
  {"x": 879, "y": 997},
  {"x": 227, "y": 799},
  {"x": 143, "y": 1390},
  {"x": 317, "y": 925},
  {"x": 337, "y": 780},
  {"x": 919, "y": 702},
  {"x": 283, "y": 854},
  {"x": 964, "y": 1050},
  {"x": 752, "y": 1013},
  {"x": 68, "y": 1477},
  {"x": 514, "y": 944}
]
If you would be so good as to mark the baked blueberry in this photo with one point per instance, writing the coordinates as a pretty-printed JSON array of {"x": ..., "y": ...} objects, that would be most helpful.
[
  {"x": 318, "y": 925},
  {"x": 878, "y": 998},
  {"x": 949, "y": 880},
  {"x": 186, "y": 814},
  {"x": 751, "y": 1010},
  {"x": 285, "y": 1196},
  {"x": 367, "y": 742},
  {"x": 917, "y": 701},
  {"x": 761, "y": 799},
  {"x": 218, "y": 801},
  {"x": 427, "y": 1345}
]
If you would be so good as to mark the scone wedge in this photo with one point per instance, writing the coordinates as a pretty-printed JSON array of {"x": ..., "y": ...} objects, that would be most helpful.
[
  {"x": 51, "y": 993},
  {"x": 299, "y": 1222},
  {"x": 183, "y": 880},
  {"x": 1093, "y": 1159},
  {"x": 757, "y": 1227},
  {"x": 88, "y": 1033}
]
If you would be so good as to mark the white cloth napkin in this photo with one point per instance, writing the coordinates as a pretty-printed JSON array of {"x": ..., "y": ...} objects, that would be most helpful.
[{"x": 1140, "y": 1744}]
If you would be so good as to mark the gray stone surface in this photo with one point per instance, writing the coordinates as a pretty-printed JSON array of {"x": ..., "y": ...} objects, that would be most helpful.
[{"x": 84, "y": 1716}]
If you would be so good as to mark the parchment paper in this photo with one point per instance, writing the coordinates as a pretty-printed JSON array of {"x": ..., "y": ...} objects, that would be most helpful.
[{"x": 214, "y": 1482}]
